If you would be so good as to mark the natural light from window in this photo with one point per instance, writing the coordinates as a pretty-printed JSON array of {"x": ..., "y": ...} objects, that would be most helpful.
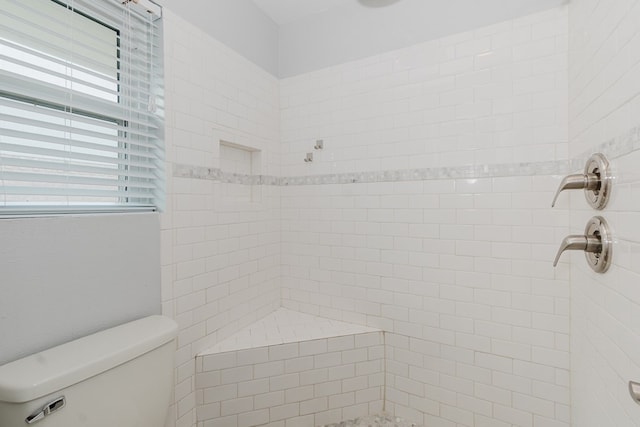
[{"x": 80, "y": 131}]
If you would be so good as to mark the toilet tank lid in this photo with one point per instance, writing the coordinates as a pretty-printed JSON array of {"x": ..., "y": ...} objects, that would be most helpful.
[{"x": 56, "y": 368}]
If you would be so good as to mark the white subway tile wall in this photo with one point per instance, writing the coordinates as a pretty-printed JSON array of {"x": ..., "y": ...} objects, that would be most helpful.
[
  {"x": 304, "y": 383},
  {"x": 220, "y": 256},
  {"x": 604, "y": 104},
  {"x": 494, "y": 95},
  {"x": 458, "y": 271},
  {"x": 475, "y": 309}
]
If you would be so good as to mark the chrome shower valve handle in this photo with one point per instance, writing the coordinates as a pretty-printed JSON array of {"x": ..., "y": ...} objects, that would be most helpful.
[
  {"x": 595, "y": 181},
  {"x": 595, "y": 242},
  {"x": 590, "y": 182},
  {"x": 578, "y": 242}
]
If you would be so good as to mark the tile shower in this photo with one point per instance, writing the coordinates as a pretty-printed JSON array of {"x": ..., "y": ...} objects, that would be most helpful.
[{"x": 391, "y": 229}]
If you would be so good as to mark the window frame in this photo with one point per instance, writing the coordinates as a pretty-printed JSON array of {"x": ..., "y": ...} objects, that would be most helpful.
[{"x": 125, "y": 201}]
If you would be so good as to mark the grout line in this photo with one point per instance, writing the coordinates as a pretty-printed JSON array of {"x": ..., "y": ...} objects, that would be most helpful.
[{"x": 384, "y": 371}]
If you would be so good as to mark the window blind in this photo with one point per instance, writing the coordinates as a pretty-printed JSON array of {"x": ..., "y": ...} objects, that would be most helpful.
[{"x": 81, "y": 106}]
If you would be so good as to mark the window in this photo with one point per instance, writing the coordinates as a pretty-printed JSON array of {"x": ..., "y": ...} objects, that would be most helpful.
[{"x": 80, "y": 107}]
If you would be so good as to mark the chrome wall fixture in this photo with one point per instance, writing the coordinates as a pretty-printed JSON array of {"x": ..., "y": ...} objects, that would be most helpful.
[
  {"x": 634, "y": 391},
  {"x": 319, "y": 146},
  {"x": 596, "y": 243},
  {"x": 595, "y": 181}
]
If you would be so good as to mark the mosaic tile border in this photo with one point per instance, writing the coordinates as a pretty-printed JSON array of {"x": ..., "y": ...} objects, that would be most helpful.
[
  {"x": 462, "y": 172},
  {"x": 217, "y": 174},
  {"x": 613, "y": 148}
]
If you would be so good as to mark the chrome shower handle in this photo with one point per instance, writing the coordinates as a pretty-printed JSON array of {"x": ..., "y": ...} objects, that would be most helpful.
[
  {"x": 581, "y": 181},
  {"x": 579, "y": 242},
  {"x": 595, "y": 181},
  {"x": 596, "y": 242}
]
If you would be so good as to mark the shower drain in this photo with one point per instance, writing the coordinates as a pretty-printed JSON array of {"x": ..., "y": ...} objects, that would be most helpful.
[{"x": 374, "y": 421}]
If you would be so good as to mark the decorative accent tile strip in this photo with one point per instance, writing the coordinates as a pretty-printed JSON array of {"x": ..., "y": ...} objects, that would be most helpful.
[
  {"x": 615, "y": 147},
  {"x": 462, "y": 172},
  {"x": 216, "y": 174}
]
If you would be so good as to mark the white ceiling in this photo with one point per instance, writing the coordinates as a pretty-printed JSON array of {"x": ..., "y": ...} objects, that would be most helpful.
[{"x": 286, "y": 11}]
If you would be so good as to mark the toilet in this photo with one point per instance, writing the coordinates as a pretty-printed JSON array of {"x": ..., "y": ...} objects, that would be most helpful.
[{"x": 119, "y": 377}]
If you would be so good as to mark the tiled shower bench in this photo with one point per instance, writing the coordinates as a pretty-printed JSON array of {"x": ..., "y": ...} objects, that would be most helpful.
[{"x": 291, "y": 370}]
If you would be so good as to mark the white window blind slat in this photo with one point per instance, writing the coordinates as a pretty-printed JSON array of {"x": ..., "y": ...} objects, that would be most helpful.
[
  {"x": 81, "y": 33},
  {"x": 72, "y": 179},
  {"x": 76, "y": 191},
  {"x": 108, "y": 87},
  {"x": 88, "y": 64},
  {"x": 17, "y": 9},
  {"x": 132, "y": 107},
  {"x": 36, "y": 154},
  {"x": 102, "y": 132},
  {"x": 80, "y": 107},
  {"x": 56, "y": 52},
  {"x": 49, "y": 27},
  {"x": 18, "y": 110},
  {"x": 18, "y": 163},
  {"x": 113, "y": 16},
  {"x": 20, "y": 144},
  {"x": 96, "y": 137}
]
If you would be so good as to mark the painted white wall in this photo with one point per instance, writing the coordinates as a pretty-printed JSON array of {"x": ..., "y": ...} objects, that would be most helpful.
[
  {"x": 604, "y": 115},
  {"x": 354, "y": 31},
  {"x": 65, "y": 277},
  {"x": 239, "y": 24}
]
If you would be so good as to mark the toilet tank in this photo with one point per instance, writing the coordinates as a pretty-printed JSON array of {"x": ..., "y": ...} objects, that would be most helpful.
[{"x": 119, "y": 377}]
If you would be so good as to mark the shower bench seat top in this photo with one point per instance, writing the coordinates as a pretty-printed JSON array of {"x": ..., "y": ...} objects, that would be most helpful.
[{"x": 285, "y": 326}]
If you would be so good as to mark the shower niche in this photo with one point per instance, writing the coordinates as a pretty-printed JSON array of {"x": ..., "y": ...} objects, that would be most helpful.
[{"x": 241, "y": 167}]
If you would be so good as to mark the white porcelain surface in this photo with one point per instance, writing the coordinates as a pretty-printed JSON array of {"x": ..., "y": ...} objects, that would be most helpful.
[{"x": 121, "y": 376}]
